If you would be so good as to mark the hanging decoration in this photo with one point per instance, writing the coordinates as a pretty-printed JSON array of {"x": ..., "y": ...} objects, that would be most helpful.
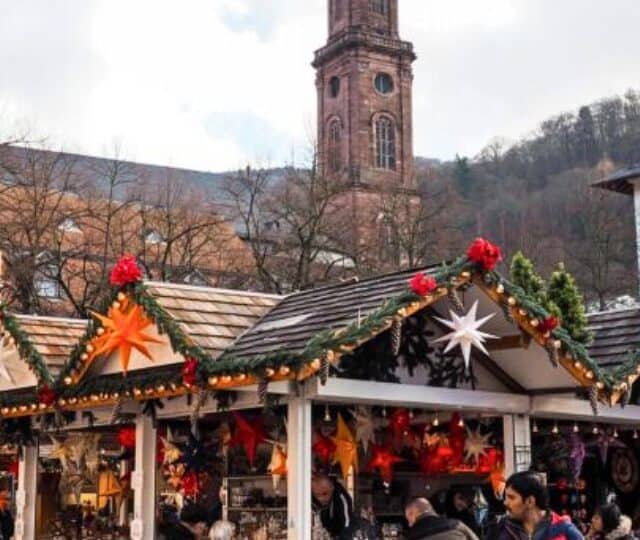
[
  {"x": 365, "y": 426},
  {"x": 324, "y": 448},
  {"x": 603, "y": 443},
  {"x": 127, "y": 437},
  {"x": 487, "y": 462},
  {"x": 498, "y": 480},
  {"x": 476, "y": 445},
  {"x": 278, "y": 465},
  {"x": 193, "y": 454},
  {"x": 484, "y": 254},
  {"x": 456, "y": 439},
  {"x": 548, "y": 324},
  {"x": 435, "y": 460},
  {"x": 189, "y": 484},
  {"x": 624, "y": 470},
  {"x": 124, "y": 332},
  {"x": 346, "y": 453},
  {"x": 248, "y": 435},
  {"x": 125, "y": 272},
  {"x": 171, "y": 453},
  {"x": 383, "y": 459},
  {"x": 60, "y": 451},
  {"x": 466, "y": 333},
  {"x": 396, "y": 336},
  {"x": 577, "y": 453},
  {"x": 190, "y": 372},
  {"x": 46, "y": 396},
  {"x": 174, "y": 474}
]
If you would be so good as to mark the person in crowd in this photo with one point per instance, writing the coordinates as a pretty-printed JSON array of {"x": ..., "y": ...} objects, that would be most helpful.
[
  {"x": 6, "y": 518},
  {"x": 222, "y": 530},
  {"x": 528, "y": 514},
  {"x": 210, "y": 496},
  {"x": 426, "y": 524},
  {"x": 459, "y": 505},
  {"x": 334, "y": 505},
  {"x": 608, "y": 523}
]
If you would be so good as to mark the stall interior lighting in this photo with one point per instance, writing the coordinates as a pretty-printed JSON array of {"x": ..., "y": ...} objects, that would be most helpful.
[
  {"x": 555, "y": 429},
  {"x": 576, "y": 428},
  {"x": 327, "y": 414}
]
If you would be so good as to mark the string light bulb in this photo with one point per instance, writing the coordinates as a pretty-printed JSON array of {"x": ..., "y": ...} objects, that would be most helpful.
[
  {"x": 327, "y": 414},
  {"x": 436, "y": 421},
  {"x": 384, "y": 412},
  {"x": 595, "y": 430},
  {"x": 461, "y": 422},
  {"x": 576, "y": 428},
  {"x": 635, "y": 433},
  {"x": 555, "y": 429},
  {"x": 411, "y": 415},
  {"x": 534, "y": 428},
  {"x": 615, "y": 433}
]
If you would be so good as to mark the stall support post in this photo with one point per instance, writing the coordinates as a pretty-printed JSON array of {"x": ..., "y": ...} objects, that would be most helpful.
[
  {"x": 299, "y": 469},
  {"x": 517, "y": 443},
  {"x": 143, "y": 480},
  {"x": 26, "y": 494}
]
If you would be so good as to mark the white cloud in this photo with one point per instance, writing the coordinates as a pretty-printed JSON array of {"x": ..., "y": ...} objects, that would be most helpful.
[{"x": 211, "y": 84}]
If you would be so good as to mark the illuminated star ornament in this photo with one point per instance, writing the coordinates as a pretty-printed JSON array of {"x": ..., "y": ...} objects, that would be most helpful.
[
  {"x": 465, "y": 332},
  {"x": 476, "y": 445},
  {"x": 346, "y": 448},
  {"x": 124, "y": 332},
  {"x": 383, "y": 459}
]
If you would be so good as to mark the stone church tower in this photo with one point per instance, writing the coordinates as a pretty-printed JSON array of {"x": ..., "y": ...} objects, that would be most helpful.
[{"x": 364, "y": 82}]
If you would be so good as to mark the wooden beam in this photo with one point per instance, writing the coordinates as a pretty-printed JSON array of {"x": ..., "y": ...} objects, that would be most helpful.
[
  {"x": 519, "y": 341},
  {"x": 579, "y": 409}
]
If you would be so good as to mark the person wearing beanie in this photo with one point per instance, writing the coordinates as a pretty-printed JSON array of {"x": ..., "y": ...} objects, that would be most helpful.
[{"x": 608, "y": 523}]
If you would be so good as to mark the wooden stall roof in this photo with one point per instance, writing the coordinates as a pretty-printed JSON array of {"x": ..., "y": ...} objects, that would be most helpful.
[
  {"x": 53, "y": 338},
  {"x": 300, "y": 316},
  {"x": 621, "y": 180},
  {"x": 212, "y": 318},
  {"x": 615, "y": 334}
]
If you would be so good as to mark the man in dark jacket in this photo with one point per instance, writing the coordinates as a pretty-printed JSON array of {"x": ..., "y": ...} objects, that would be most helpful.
[
  {"x": 334, "y": 505},
  {"x": 528, "y": 514},
  {"x": 425, "y": 524}
]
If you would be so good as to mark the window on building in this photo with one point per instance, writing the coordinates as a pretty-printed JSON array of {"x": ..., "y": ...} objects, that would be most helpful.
[
  {"x": 46, "y": 282},
  {"x": 383, "y": 83},
  {"x": 335, "y": 134},
  {"x": 379, "y": 6},
  {"x": 334, "y": 87},
  {"x": 69, "y": 225},
  {"x": 385, "y": 143},
  {"x": 338, "y": 9}
]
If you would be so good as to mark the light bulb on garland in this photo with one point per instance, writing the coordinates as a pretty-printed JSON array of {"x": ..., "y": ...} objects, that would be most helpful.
[
  {"x": 327, "y": 414},
  {"x": 635, "y": 434},
  {"x": 436, "y": 421},
  {"x": 555, "y": 429},
  {"x": 534, "y": 428},
  {"x": 576, "y": 428},
  {"x": 615, "y": 433},
  {"x": 595, "y": 430}
]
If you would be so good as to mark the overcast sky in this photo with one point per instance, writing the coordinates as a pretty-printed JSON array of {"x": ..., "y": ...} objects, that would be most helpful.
[{"x": 212, "y": 84}]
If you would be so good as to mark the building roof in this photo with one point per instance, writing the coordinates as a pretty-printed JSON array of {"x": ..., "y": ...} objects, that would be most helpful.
[
  {"x": 53, "y": 338},
  {"x": 620, "y": 180},
  {"x": 212, "y": 318},
  {"x": 615, "y": 334},
  {"x": 301, "y": 316}
]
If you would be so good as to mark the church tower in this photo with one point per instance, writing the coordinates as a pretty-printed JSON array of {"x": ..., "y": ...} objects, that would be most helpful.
[{"x": 364, "y": 83}]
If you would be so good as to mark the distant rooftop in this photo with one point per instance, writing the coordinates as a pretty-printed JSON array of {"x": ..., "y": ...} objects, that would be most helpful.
[{"x": 620, "y": 180}]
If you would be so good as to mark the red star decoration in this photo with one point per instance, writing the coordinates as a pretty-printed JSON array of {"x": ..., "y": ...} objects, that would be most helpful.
[
  {"x": 383, "y": 459},
  {"x": 324, "y": 448},
  {"x": 248, "y": 435},
  {"x": 435, "y": 461}
]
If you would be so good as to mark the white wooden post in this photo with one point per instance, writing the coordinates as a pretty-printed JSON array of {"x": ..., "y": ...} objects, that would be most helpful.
[
  {"x": 143, "y": 481},
  {"x": 517, "y": 443},
  {"x": 299, "y": 469},
  {"x": 25, "y": 525}
]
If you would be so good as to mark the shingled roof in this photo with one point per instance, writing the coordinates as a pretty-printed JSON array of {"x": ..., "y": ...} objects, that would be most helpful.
[
  {"x": 615, "y": 334},
  {"x": 300, "y": 316},
  {"x": 212, "y": 318},
  {"x": 53, "y": 338},
  {"x": 621, "y": 180}
]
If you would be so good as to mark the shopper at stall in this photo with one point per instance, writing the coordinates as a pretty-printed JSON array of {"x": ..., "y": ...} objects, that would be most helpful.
[
  {"x": 426, "y": 524},
  {"x": 222, "y": 530},
  {"x": 608, "y": 523},
  {"x": 459, "y": 505},
  {"x": 528, "y": 514},
  {"x": 334, "y": 505}
]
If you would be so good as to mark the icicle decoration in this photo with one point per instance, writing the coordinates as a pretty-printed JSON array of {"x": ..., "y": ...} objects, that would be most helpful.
[
  {"x": 116, "y": 412},
  {"x": 201, "y": 398},
  {"x": 324, "y": 370},
  {"x": 593, "y": 398},
  {"x": 263, "y": 386},
  {"x": 552, "y": 352},
  {"x": 455, "y": 301}
]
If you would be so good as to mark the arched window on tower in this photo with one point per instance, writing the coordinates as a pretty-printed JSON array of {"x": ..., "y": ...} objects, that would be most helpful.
[
  {"x": 379, "y": 6},
  {"x": 385, "y": 143},
  {"x": 334, "y": 150}
]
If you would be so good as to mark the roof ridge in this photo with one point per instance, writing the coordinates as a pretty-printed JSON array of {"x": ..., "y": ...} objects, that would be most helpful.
[
  {"x": 49, "y": 318},
  {"x": 185, "y": 287}
]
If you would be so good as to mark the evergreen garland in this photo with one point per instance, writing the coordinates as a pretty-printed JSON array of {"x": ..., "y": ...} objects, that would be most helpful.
[{"x": 564, "y": 292}]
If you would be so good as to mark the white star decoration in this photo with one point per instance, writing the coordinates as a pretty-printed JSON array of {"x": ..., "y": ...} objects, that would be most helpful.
[
  {"x": 475, "y": 444},
  {"x": 365, "y": 427},
  {"x": 466, "y": 332}
]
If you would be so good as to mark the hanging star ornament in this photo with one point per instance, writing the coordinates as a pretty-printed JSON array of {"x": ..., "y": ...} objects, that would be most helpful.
[
  {"x": 324, "y": 448},
  {"x": 171, "y": 452},
  {"x": 124, "y": 331},
  {"x": 466, "y": 333},
  {"x": 476, "y": 445},
  {"x": 383, "y": 459},
  {"x": 248, "y": 435},
  {"x": 61, "y": 452},
  {"x": 346, "y": 453},
  {"x": 365, "y": 427},
  {"x": 277, "y": 465}
]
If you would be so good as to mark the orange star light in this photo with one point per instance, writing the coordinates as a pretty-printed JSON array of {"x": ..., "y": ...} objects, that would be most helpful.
[
  {"x": 346, "y": 447},
  {"x": 124, "y": 332}
]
